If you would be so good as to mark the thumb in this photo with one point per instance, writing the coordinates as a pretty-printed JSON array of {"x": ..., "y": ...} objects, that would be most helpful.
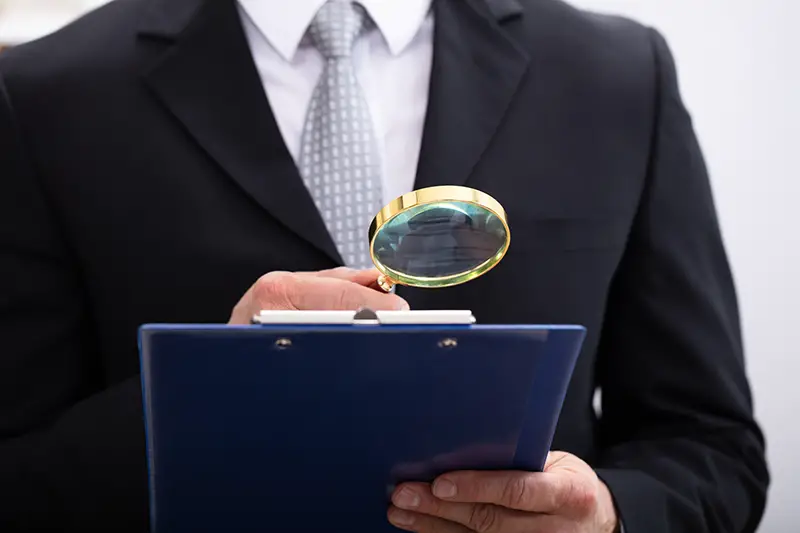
[
  {"x": 321, "y": 293},
  {"x": 367, "y": 278}
]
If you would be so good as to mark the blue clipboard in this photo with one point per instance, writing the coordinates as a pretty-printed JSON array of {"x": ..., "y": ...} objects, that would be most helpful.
[{"x": 308, "y": 427}]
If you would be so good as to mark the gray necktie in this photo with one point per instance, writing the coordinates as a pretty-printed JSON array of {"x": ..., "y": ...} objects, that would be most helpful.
[{"x": 339, "y": 160}]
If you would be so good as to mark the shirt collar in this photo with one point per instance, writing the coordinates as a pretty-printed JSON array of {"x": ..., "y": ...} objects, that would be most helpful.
[{"x": 284, "y": 22}]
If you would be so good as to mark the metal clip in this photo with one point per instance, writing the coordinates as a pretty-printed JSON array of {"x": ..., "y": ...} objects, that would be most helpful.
[
  {"x": 448, "y": 343},
  {"x": 366, "y": 316}
]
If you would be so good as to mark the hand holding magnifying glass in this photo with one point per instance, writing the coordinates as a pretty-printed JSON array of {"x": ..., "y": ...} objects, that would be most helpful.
[{"x": 438, "y": 237}]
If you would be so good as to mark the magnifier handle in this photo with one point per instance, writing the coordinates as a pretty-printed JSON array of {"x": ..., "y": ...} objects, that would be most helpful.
[{"x": 386, "y": 284}]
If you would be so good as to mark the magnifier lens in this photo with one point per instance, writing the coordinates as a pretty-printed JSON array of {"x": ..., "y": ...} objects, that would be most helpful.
[{"x": 440, "y": 243}]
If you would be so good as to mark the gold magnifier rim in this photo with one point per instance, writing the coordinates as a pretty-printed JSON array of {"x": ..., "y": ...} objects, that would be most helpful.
[{"x": 430, "y": 195}]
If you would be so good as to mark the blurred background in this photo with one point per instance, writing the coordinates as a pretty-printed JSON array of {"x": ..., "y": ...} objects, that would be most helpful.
[{"x": 739, "y": 66}]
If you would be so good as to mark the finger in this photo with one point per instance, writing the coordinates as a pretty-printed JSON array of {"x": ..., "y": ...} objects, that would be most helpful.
[
  {"x": 305, "y": 292},
  {"x": 367, "y": 277},
  {"x": 336, "y": 294},
  {"x": 538, "y": 492},
  {"x": 420, "y": 523},
  {"x": 478, "y": 517}
]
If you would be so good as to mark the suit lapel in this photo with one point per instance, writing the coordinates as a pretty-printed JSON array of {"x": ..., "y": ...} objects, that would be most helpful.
[
  {"x": 208, "y": 81},
  {"x": 476, "y": 71}
]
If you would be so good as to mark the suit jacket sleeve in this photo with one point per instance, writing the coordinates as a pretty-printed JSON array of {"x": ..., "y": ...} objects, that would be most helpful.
[
  {"x": 681, "y": 452},
  {"x": 71, "y": 450}
]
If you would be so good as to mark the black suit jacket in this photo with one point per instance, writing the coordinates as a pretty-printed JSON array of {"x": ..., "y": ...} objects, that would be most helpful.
[{"x": 143, "y": 179}]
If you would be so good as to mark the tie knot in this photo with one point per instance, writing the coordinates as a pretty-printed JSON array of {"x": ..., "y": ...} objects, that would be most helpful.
[{"x": 335, "y": 28}]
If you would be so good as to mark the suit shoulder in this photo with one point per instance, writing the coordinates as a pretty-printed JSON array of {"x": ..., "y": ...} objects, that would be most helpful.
[
  {"x": 100, "y": 40},
  {"x": 599, "y": 43},
  {"x": 606, "y": 27}
]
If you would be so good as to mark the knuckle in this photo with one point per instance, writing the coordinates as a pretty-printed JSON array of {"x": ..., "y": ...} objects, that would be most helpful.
[
  {"x": 484, "y": 518},
  {"x": 516, "y": 493},
  {"x": 580, "y": 497},
  {"x": 342, "y": 298},
  {"x": 588, "y": 500},
  {"x": 273, "y": 289}
]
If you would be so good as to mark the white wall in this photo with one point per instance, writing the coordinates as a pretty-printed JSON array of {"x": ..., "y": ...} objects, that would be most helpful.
[
  {"x": 739, "y": 63},
  {"x": 22, "y": 20}
]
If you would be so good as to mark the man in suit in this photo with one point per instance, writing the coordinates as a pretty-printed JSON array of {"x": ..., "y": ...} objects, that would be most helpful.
[{"x": 160, "y": 156}]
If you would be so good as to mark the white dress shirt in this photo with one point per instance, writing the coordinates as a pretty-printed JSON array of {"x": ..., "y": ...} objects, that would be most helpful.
[{"x": 393, "y": 63}]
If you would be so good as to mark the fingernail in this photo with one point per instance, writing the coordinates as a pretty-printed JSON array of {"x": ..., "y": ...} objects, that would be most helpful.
[
  {"x": 444, "y": 488},
  {"x": 402, "y": 518},
  {"x": 407, "y": 499},
  {"x": 403, "y": 306}
]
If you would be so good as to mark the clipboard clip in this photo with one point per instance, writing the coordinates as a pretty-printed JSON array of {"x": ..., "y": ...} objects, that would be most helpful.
[{"x": 365, "y": 317}]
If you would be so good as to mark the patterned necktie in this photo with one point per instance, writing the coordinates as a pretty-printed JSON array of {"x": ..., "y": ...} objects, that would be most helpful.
[{"x": 339, "y": 160}]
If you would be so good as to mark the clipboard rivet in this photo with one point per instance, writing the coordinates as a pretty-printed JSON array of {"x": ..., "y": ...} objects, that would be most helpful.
[
  {"x": 283, "y": 343},
  {"x": 448, "y": 343}
]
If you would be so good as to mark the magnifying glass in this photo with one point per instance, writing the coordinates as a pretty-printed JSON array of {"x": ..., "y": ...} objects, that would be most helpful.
[{"x": 438, "y": 237}]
